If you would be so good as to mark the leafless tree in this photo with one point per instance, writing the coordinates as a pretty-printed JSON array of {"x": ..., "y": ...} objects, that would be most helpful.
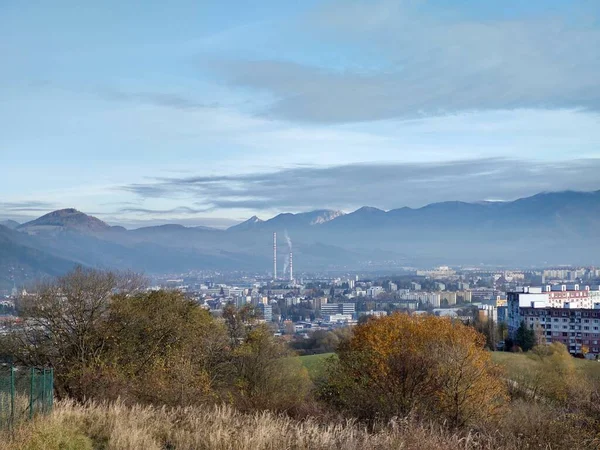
[{"x": 61, "y": 320}]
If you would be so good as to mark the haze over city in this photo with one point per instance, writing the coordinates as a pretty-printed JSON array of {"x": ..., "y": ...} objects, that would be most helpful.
[{"x": 207, "y": 113}]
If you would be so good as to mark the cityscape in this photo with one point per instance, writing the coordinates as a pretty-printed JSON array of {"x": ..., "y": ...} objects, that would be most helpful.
[
  {"x": 324, "y": 224},
  {"x": 296, "y": 305}
]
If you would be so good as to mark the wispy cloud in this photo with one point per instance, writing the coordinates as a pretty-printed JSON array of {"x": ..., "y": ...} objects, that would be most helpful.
[
  {"x": 161, "y": 99},
  {"x": 27, "y": 206},
  {"x": 180, "y": 210},
  {"x": 429, "y": 64},
  {"x": 382, "y": 185}
]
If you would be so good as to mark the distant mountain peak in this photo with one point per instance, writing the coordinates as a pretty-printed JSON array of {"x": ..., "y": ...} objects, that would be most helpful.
[
  {"x": 66, "y": 219},
  {"x": 247, "y": 224},
  {"x": 369, "y": 209}
]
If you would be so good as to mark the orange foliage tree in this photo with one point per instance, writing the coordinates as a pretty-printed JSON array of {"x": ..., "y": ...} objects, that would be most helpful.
[{"x": 421, "y": 365}]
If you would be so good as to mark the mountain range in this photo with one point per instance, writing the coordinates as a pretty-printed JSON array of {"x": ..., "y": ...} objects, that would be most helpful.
[{"x": 545, "y": 229}]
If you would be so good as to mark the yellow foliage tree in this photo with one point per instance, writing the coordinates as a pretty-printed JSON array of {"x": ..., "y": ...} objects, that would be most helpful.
[
  {"x": 425, "y": 365},
  {"x": 554, "y": 376}
]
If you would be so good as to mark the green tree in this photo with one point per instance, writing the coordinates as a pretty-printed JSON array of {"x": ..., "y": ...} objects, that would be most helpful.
[
  {"x": 525, "y": 337},
  {"x": 164, "y": 348},
  {"x": 239, "y": 321},
  {"x": 267, "y": 375}
]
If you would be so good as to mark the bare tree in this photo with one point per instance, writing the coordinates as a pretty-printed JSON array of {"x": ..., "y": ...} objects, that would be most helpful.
[{"x": 62, "y": 320}]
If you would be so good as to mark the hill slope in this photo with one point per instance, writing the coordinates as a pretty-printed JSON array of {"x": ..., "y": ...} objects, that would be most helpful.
[
  {"x": 65, "y": 219},
  {"x": 21, "y": 259}
]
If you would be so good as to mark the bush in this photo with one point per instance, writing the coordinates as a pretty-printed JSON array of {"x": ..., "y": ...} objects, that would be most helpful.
[
  {"x": 267, "y": 376},
  {"x": 426, "y": 365}
]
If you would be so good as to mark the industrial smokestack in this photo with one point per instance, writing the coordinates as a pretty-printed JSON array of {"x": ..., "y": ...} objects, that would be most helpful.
[
  {"x": 274, "y": 256},
  {"x": 291, "y": 267}
]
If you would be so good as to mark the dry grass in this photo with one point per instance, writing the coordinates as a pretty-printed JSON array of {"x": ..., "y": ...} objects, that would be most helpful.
[{"x": 117, "y": 427}]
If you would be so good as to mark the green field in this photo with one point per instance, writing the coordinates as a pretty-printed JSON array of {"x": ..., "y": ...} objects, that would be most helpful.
[
  {"x": 514, "y": 363},
  {"x": 520, "y": 363},
  {"x": 315, "y": 364}
]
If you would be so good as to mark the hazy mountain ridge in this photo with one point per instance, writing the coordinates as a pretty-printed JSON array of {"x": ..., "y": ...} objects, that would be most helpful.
[
  {"x": 289, "y": 220},
  {"x": 545, "y": 229},
  {"x": 22, "y": 258},
  {"x": 11, "y": 224}
]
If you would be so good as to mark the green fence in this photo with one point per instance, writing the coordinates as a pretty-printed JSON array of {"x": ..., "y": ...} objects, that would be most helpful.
[{"x": 24, "y": 392}]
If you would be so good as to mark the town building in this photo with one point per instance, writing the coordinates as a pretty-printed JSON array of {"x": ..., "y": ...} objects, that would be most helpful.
[
  {"x": 464, "y": 296},
  {"x": 448, "y": 298},
  {"x": 339, "y": 318},
  {"x": 569, "y": 314},
  {"x": 338, "y": 308},
  {"x": 265, "y": 312},
  {"x": 374, "y": 291}
]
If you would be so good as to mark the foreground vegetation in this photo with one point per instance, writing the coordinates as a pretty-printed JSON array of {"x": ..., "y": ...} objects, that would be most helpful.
[
  {"x": 116, "y": 426},
  {"x": 137, "y": 369}
]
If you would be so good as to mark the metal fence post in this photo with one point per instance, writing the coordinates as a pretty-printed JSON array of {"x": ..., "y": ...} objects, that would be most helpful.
[
  {"x": 31, "y": 390},
  {"x": 12, "y": 395},
  {"x": 51, "y": 388},
  {"x": 44, "y": 390}
]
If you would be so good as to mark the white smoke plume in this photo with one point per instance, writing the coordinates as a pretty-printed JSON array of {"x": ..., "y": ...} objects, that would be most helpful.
[
  {"x": 289, "y": 241},
  {"x": 287, "y": 257}
]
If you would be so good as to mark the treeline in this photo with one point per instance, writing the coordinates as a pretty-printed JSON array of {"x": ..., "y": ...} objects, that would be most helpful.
[
  {"x": 320, "y": 341},
  {"x": 108, "y": 339}
]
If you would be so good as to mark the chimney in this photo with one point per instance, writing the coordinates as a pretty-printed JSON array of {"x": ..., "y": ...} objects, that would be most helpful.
[
  {"x": 274, "y": 256},
  {"x": 291, "y": 267}
]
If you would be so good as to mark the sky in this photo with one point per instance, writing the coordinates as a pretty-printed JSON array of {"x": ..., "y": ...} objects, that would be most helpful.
[{"x": 209, "y": 112}]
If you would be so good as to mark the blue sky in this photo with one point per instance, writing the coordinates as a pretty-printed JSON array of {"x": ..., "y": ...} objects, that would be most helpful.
[{"x": 210, "y": 112}]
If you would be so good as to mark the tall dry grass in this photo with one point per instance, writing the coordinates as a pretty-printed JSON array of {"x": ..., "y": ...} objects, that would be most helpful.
[{"x": 119, "y": 427}]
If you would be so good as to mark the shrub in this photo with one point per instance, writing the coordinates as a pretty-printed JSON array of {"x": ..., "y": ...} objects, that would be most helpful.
[
  {"x": 267, "y": 376},
  {"x": 401, "y": 365}
]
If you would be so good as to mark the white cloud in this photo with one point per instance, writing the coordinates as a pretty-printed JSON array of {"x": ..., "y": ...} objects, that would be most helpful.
[{"x": 428, "y": 65}]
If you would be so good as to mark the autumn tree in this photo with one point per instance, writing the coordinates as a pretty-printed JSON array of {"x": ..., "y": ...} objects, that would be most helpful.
[
  {"x": 425, "y": 365},
  {"x": 554, "y": 376},
  {"x": 164, "y": 348},
  {"x": 267, "y": 375}
]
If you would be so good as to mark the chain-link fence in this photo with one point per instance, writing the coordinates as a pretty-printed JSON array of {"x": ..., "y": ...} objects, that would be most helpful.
[{"x": 24, "y": 392}]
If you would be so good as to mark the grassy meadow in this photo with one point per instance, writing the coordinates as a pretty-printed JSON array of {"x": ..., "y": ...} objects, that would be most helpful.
[
  {"x": 315, "y": 364},
  {"x": 515, "y": 364},
  {"x": 518, "y": 364}
]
